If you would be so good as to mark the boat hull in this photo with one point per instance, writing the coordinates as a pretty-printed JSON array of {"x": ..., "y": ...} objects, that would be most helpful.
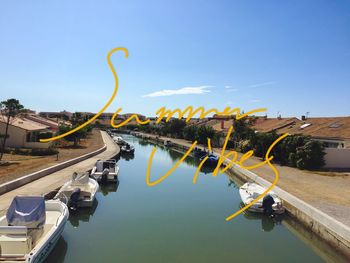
[
  {"x": 249, "y": 191},
  {"x": 40, "y": 253}
]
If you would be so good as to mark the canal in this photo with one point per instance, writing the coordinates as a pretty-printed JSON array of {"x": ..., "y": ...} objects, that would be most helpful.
[{"x": 177, "y": 221}]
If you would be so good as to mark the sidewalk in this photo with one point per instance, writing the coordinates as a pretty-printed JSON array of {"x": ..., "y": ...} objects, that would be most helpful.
[
  {"x": 330, "y": 194},
  {"x": 57, "y": 179}
]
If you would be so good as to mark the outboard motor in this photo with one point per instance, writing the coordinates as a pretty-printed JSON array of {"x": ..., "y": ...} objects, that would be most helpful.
[
  {"x": 74, "y": 199},
  {"x": 104, "y": 176},
  {"x": 267, "y": 203}
]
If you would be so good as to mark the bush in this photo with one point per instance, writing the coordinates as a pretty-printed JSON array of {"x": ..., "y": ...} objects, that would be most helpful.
[
  {"x": 44, "y": 152},
  {"x": 310, "y": 156},
  {"x": 45, "y": 135},
  {"x": 203, "y": 133},
  {"x": 190, "y": 132}
]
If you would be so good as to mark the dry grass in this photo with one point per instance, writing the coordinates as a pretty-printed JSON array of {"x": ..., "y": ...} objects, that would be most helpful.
[{"x": 19, "y": 165}]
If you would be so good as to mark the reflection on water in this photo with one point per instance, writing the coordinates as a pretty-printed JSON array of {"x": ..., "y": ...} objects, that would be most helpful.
[
  {"x": 82, "y": 214},
  {"x": 127, "y": 156},
  {"x": 177, "y": 221},
  {"x": 267, "y": 223},
  {"x": 105, "y": 189},
  {"x": 59, "y": 252}
]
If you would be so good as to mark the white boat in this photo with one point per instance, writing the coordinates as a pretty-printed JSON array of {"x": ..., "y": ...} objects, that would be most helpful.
[
  {"x": 127, "y": 149},
  {"x": 31, "y": 228},
  {"x": 119, "y": 140},
  {"x": 105, "y": 171},
  {"x": 78, "y": 192},
  {"x": 250, "y": 191}
]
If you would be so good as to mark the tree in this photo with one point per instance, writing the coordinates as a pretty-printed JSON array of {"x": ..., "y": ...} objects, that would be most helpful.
[
  {"x": 310, "y": 156},
  {"x": 242, "y": 130},
  {"x": 77, "y": 119},
  {"x": 190, "y": 132},
  {"x": 262, "y": 141},
  {"x": 203, "y": 133},
  {"x": 75, "y": 136},
  {"x": 10, "y": 109}
]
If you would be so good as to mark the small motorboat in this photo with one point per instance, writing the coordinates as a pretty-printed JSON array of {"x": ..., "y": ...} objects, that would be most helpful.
[
  {"x": 105, "y": 171},
  {"x": 31, "y": 228},
  {"x": 78, "y": 192},
  {"x": 129, "y": 149},
  {"x": 198, "y": 153},
  {"x": 119, "y": 140},
  {"x": 270, "y": 204},
  {"x": 211, "y": 161},
  {"x": 168, "y": 143}
]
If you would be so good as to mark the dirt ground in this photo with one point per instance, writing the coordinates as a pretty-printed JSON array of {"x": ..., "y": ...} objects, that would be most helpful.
[{"x": 20, "y": 165}]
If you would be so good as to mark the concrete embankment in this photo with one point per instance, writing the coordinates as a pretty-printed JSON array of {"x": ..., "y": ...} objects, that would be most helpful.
[
  {"x": 326, "y": 227},
  {"x": 53, "y": 177}
]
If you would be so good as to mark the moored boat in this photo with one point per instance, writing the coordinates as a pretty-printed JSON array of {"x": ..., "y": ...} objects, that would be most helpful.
[
  {"x": 80, "y": 191},
  {"x": 127, "y": 149},
  {"x": 105, "y": 171},
  {"x": 119, "y": 140},
  {"x": 211, "y": 161},
  {"x": 31, "y": 228},
  {"x": 168, "y": 143},
  {"x": 270, "y": 204},
  {"x": 198, "y": 153}
]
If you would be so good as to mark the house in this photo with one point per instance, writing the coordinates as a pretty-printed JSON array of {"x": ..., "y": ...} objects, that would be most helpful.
[
  {"x": 64, "y": 115},
  {"x": 53, "y": 125},
  {"x": 24, "y": 133},
  {"x": 333, "y": 132}
]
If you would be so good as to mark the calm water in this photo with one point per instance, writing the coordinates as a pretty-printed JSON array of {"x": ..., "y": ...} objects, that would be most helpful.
[{"x": 176, "y": 221}]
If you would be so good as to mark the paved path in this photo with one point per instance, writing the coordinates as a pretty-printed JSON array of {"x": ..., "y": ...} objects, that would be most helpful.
[
  {"x": 55, "y": 180},
  {"x": 330, "y": 194}
]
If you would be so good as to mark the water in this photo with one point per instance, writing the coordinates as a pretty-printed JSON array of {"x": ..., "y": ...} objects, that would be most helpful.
[{"x": 177, "y": 221}]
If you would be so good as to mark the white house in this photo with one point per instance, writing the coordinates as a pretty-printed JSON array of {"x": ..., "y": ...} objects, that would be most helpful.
[{"x": 23, "y": 133}]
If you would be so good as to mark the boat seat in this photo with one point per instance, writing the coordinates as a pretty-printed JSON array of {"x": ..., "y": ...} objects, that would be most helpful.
[
  {"x": 14, "y": 241},
  {"x": 13, "y": 230}
]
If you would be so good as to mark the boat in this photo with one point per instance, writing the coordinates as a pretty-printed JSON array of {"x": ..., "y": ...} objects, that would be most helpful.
[
  {"x": 168, "y": 143},
  {"x": 119, "y": 140},
  {"x": 80, "y": 191},
  {"x": 105, "y": 171},
  {"x": 31, "y": 228},
  {"x": 198, "y": 153},
  {"x": 270, "y": 204},
  {"x": 211, "y": 161},
  {"x": 129, "y": 149}
]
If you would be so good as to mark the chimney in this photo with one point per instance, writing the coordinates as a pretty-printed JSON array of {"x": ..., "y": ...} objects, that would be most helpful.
[{"x": 303, "y": 117}]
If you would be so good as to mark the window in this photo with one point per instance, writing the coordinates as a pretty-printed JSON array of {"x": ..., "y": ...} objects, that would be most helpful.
[
  {"x": 305, "y": 125},
  {"x": 335, "y": 125}
]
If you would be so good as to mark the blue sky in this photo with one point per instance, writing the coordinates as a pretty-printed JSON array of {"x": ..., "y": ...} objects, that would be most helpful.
[{"x": 291, "y": 57}]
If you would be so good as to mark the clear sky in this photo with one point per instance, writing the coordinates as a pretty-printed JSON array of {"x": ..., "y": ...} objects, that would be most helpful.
[{"x": 291, "y": 56}]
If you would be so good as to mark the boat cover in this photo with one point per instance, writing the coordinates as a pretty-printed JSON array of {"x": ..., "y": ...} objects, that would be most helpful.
[{"x": 27, "y": 211}]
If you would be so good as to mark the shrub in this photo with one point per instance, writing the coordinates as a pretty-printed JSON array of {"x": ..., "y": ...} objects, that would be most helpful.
[
  {"x": 190, "y": 132},
  {"x": 45, "y": 135},
  {"x": 311, "y": 155},
  {"x": 44, "y": 152}
]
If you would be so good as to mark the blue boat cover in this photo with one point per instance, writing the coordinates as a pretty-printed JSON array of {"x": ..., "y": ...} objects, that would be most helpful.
[{"x": 27, "y": 211}]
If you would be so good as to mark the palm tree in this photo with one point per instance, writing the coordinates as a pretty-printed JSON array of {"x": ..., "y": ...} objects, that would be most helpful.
[{"x": 10, "y": 109}]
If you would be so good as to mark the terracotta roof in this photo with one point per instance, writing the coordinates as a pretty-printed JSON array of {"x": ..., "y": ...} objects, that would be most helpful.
[
  {"x": 42, "y": 120},
  {"x": 25, "y": 124},
  {"x": 263, "y": 124},
  {"x": 331, "y": 128},
  {"x": 327, "y": 128}
]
